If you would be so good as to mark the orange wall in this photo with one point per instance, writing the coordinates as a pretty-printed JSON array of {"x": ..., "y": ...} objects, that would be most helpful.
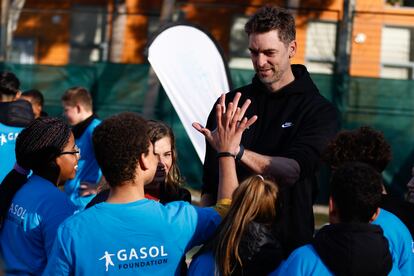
[
  {"x": 51, "y": 38},
  {"x": 53, "y": 41},
  {"x": 218, "y": 20},
  {"x": 365, "y": 59},
  {"x": 48, "y": 23},
  {"x": 370, "y": 18},
  {"x": 136, "y": 38}
]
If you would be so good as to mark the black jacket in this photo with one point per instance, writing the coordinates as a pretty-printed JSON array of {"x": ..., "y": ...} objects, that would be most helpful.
[
  {"x": 259, "y": 250},
  {"x": 17, "y": 113},
  {"x": 404, "y": 210},
  {"x": 80, "y": 128},
  {"x": 354, "y": 249},
  {"x": 295, "y": 122}
]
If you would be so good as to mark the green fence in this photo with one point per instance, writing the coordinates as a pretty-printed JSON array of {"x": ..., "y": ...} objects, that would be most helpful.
[
  {"x": 115, "y": 88},
  {"x": 385, "y": 104}
]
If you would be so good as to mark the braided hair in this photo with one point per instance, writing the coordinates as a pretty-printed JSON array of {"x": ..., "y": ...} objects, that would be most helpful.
[{"x": 37, "y": 147}]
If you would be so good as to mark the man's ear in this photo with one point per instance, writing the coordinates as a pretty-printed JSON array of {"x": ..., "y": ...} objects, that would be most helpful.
[
  {"x": 18, "y": 95},
  {"x": 333, "y": 212},
  {"x": 375, "y": 215},
  {"x": 292, "y": 48}
]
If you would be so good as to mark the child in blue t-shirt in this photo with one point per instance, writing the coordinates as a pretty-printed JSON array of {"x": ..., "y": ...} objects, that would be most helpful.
[
  {"x": 15, "y": 114},
  {"x": 78, "y": 110},
  {"x": 369, "y": 146},
  {"x": 128, "y": 234},
  {"x": 32, "y": 209},
  {"x": 350, "y": 245}
]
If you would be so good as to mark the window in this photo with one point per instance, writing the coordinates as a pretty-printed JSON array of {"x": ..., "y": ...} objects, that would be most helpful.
[
  {"x": 239, "y": 53},
  {"x": 401, "y": 3},
  {"x": 320, "y": 47},
  {"x": 397, "y": 52},
  {"x": 88, "y": 34},
  {"x": 23, "y": 51},
  {"x": 153, "y": 25}
]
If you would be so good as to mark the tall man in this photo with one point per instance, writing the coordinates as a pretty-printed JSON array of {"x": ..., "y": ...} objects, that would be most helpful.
[
  {"x": 294, "y": 124},
  {"x": 77, "y": 105},
  {"x": 14, "y": 116}
]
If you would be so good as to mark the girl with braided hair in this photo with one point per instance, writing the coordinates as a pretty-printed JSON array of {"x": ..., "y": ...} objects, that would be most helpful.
[{"x": 32, "y": 208}]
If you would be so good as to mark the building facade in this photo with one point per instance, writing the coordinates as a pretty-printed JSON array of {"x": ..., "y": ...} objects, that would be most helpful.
[{"x": 381, "y": 40}]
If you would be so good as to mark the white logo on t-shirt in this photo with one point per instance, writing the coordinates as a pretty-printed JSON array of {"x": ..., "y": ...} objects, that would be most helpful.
[
  {"x": 134, "y": 258},
  {"x": 6, "y": 137},
  {"x": 108, "y": 260},
  {"x": 287, "y": 124},
  {"x": 3, "y": 139}
]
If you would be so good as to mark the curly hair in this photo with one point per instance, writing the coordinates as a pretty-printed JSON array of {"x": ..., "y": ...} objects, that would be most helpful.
[
  {"x": 364, "y": 144},
  {"x": 270, "y": 18},
  {"x": 356, "y": 191},
  {"x": 9, "y": 83},
  {"x": 118, "y": 142}
]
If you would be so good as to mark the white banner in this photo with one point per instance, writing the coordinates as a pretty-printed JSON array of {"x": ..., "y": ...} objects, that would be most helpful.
[{"x": 191, "y": 70}]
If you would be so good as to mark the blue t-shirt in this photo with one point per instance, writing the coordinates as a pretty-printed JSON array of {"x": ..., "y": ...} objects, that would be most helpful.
[
  {"x": 203, "y": 265},
  {"x": 305, "y": 261},
  {"x": 399, "y": 239},
  {"x": 138, "y": 238},
  {"x": 88, "y": 169},
  {"x": 30, "y": 228},
  {"x": 8, "y": 135}
]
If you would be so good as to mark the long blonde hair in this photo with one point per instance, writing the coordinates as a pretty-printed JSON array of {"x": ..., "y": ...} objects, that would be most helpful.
[{"x": 253, "y": 200}]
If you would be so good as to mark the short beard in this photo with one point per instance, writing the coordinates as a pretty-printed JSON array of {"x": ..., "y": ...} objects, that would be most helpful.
[{"x": 275, "y": 78}]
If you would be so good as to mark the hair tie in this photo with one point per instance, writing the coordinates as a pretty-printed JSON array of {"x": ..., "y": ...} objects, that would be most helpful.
[
  {"x": 261, "y": 177},
  {"x": 20, "y": 169}
]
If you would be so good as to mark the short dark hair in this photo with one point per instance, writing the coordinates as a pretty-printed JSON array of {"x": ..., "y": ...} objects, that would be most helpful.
[
  {"x": 9, "y": 83},
  {"x": 36, "y": 95},
  {"x": 78, "y": 95},
  {"x": 270, "y": 18},
  {"x": 356, "y": 192},
  {"x": 119, "y": 142},
  {"x": 364, "y": 144}
]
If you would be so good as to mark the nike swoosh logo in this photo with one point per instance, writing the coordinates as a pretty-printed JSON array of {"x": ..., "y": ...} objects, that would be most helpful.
[{"x": 287, "y": 124}]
